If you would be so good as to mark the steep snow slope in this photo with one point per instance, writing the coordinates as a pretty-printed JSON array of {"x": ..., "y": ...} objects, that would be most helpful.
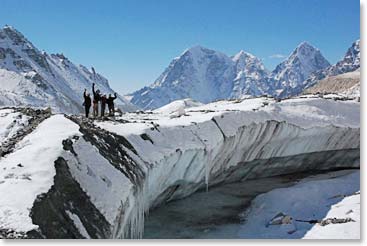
[
  {"x": 289, "y": 75},
  {"x": 29, "y": 77},
  {"x": 251, "y": 76},
  {"x": 109, "y": 173},
  {"x": 205, "y": 75},
  {"x": 199, "y": 73}
]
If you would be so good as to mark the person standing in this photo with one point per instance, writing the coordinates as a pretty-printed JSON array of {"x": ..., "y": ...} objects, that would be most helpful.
[
  {"x": 96, "y": 99},
  {"x": 87, "y": 102},
  {"x": 111, "y": 104},
  {"x": 103, "y": 104}
]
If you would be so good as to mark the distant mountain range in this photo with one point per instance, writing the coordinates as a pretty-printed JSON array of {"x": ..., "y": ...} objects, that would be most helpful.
[
  {"x": 206, "y": 75},
  {"x": 30, "y": 77}
]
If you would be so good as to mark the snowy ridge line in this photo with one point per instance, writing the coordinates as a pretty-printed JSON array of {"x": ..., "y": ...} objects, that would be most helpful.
[
  {"x": 36, "y": 117},
  {"x": 28, "y": 171}
]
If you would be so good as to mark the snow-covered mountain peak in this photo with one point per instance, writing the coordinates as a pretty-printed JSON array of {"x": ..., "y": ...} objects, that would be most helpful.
[
  {"x": 289, "y": 75},
  {"x": 350, "y": 63},
  {"x": 32, "y": 77},
  {"x": 353, "y": 54},
  {"x": 206, "y": 75},
  {"x": 242, "y": 55},
  {"x": 305, "y": 45},
  {"x": 306, "y": 52},
  {"x": 16, "y": 37},
  {"x": 197, "y": 53},
  {"x": 246, "y": 61}
]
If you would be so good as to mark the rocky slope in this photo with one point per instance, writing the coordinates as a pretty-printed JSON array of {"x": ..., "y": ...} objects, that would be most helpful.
[
  {"x": 75, "y": 178},
  {"x": 347, "y": 84},
  {"x": 30, "y": 77}
]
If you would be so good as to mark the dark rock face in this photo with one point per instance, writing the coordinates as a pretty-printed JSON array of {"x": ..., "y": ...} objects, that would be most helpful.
[{"x": 50, "y": 210}]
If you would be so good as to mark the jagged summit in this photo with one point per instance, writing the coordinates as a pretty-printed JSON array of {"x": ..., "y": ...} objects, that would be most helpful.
[
  {"x": 14, "y": 35},
  {"x": 288, "y": 76},
  {"x": 305, "y": 44},
  {"x": 242, "y": 55},
  {"x": 305, "y": 49}
]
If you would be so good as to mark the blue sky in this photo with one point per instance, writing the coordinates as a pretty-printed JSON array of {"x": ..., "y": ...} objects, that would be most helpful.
[{"x": 132, "y": 41}]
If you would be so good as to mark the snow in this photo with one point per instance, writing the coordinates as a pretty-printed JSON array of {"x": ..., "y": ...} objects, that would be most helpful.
[
  {"x": 204, "y": 75},
  {"x": 189, "y": 150},
  {"x": 178, "y": 105},
  {"x": 312, "y": 112},
  {"x": 349, "y": 63},
  {"x": 107, "y": 187},
  {"x": 31, "y": 77},
  {"x": 207, "y": 75},
  {"x": 10, "y": 123},
  {"x": 78, "y": 224},
  {"x": 291, "y": 73},
  {"x": 306, "y": 112},
  {"x": 349, "y": 207},
  {"x": 212, "y": 138},
  {"x": 29, "y": 171},
  {"x": 308, "y": 200}
]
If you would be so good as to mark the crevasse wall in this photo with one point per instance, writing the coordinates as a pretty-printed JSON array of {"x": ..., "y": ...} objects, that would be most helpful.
[
  {"x": 205, "y": 154},
  {"x": 123, "y": 175}
]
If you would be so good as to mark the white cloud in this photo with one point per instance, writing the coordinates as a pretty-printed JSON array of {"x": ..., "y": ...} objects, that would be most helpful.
[{"x": 277, "y": 56}]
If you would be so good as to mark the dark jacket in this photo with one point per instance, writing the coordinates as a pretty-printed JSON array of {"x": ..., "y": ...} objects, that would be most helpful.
[
  {"x": 103, "y": 100},
  {"x": 96, "y": 96},
  {"x": 110, "y": 100},
  {"x": 87, "y": 100}
]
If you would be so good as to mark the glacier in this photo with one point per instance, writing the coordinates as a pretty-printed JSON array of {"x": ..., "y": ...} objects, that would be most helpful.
[{"x": 101, "y": 178}]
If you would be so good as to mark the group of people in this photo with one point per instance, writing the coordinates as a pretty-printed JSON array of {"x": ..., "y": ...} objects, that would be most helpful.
[{"x": 99, "y": 99}]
